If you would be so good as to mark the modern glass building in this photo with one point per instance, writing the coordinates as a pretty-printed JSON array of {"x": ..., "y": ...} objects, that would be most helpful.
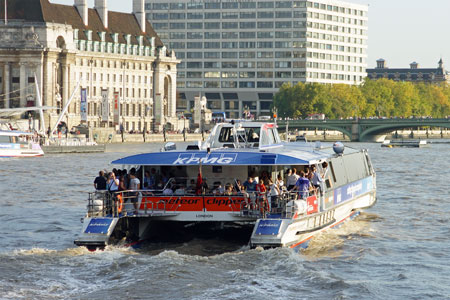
[{"x": 239, "y": 53}]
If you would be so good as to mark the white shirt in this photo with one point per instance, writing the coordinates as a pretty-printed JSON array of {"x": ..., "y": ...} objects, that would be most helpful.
[
  {"x": 113, "y": 185},
  {"x": 292, "y": 179},
  {"x": 273, "y": 190}
]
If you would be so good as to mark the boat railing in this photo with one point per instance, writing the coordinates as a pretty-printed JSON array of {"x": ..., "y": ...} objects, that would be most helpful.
[{"x": 254, "y": 204}]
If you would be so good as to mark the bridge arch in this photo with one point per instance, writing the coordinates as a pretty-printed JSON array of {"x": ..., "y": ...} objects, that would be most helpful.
[
  {"x": 343, "y": 127},
  {"x": 388, "y": 127}
]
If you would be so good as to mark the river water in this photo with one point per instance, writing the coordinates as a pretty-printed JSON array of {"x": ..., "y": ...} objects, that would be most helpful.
[{"x": 399, "y": 249}]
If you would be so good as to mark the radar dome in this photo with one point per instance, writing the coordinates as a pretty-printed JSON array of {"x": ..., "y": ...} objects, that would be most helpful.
[{"x": 338, "y": 148}]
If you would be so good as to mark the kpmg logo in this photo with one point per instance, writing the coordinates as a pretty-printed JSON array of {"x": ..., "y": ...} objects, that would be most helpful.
[{"x": 213, "y": 158}]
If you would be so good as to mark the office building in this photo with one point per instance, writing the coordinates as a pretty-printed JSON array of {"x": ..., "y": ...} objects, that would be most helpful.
[{"x": 239, "y": 53}]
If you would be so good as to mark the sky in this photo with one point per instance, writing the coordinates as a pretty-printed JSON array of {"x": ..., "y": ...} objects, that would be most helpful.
[{"x": 400, "y": 31}]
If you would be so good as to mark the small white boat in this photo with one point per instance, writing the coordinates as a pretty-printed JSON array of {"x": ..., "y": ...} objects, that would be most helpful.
[
  {"x": 405, "y": 143},
  {"x": 19, "y": 144}
]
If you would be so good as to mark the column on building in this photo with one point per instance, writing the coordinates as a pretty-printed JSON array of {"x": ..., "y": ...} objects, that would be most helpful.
[
  {"x": 258, "y": 108},
  {"x": 6, "y": 83},
  {"x": 172, "y": 97},
  {"x": 241, "y": 109},
  {"x": 39, "y": 71},
  {"x": 158, "y": 90},
  {"x": 23, "y": 84},
  {"x": 65, "y": 80}
]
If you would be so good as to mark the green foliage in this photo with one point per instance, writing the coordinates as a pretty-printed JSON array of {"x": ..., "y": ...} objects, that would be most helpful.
[{"x": 373, "y": 98}]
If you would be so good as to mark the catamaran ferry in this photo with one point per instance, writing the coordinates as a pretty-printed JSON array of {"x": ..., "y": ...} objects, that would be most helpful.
[
  {"x": 19, "y": 144},
  {"x": 200, "y": 187}
]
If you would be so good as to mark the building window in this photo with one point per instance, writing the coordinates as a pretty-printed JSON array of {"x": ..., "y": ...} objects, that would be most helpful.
[
  {"x": 230, "y": 5},
  {"x": 173, "y": 26},
  {"x": 211, "y": 54},
  {"x": 229, "y": 84},
  {"x": 212, "y": 5},
  {"x": 265, "y": 74},
  {"x": 212, "y": 25},
  {"x": 212, "y": 35},
  {"x": 247, "y": 84},
  {"x": 197, "y": 25},
  {"x": 212, "y": 84},
  {"x": 229, "y": 65},
  {"x": 229, "y": 55},
  {"x": 265, "y": 84},
  {"x": 229, "y": 25},
  {"x": 265, "y": 25},
  {"x": 214, "y": 15},
  {"x": 265, "y": 5}
]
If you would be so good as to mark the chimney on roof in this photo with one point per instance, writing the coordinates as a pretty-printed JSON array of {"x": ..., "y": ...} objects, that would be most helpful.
[
  {"x": 102, "y": 9},
  {"x": 139, "y": 13},
  {"x": 414, "y": 65},
  {"x": 381, "y": 64},
  {"x": 82, "y": 8}
]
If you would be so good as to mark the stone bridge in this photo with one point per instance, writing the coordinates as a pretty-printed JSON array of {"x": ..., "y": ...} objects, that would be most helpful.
[{"x": 362, "y": 130}]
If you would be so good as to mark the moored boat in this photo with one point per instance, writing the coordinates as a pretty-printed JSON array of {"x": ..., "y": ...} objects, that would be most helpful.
[
  {"x": 15, "y": 143},
  {"x": 405, "y": 143},
  {"x": 196, "y": 190}
]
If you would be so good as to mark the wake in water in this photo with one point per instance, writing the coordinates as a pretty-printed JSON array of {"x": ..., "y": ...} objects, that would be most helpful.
[{"x": 331, "y": 242}]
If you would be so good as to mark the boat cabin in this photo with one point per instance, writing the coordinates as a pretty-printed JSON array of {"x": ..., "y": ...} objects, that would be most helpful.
[{"x": 243, "y": 135}]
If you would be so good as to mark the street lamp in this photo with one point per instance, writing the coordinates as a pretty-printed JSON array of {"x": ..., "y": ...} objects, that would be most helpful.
[
  {"x": 275, "y": 114},
  {"x": 246, "y": 111}
]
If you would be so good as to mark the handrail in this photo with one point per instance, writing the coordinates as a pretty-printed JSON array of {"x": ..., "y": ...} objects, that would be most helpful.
[{"x": 253, "y": 202}]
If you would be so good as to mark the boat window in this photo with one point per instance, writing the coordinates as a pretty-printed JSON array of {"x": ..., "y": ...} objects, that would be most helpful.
[
  {"x": 265, "y": 140},
  {"x": 274, "y": 135},
  {"x": 252, "y": 134},
  {"x": 226, "y": 135},
  {"x": 277, "y": 136},
  {"x": 4, "y": 139}
]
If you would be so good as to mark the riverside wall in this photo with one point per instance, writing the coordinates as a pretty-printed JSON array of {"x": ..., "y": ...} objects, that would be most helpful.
[{"x": 103, "y": 136}]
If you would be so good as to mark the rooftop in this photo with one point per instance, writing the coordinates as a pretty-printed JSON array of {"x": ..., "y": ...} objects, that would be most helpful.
[{"x": 46, "y": 12}]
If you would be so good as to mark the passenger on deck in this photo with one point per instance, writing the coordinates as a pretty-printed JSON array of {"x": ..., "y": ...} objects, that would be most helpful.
[
  {"x": 261, "y": 188},
  {"x": 292, "y": 179},
  {"x": 112, "y": 183},
  {"x": 218, "y": 189},
  {"x": 179, "y": 190},
  {"x": 168, "y": 191},
  {"x": 265, "y": 177},
  {"x": 122, "y": 184},
  {"x": 237, "y": 185},
  {"x": 135, "y": 185},
  {"x": 317, "y": 179},
  {"x": 149, "y": 182},
  {"x": 274, "y": 192},
  {"x": 279, "y": 182},
  {"x": 303, "y": 186},
  {"x": 229, "y": 190},
  {"x": 100, "y": 181},
  {"x": 250, "y": 185},
  {"x": 191, "y": 188}
]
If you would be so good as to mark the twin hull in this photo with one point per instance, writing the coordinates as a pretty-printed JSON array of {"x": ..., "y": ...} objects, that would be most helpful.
[{"x": 276, "y": 231}]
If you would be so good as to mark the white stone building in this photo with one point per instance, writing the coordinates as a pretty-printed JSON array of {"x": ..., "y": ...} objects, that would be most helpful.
[
  {"x": 239, "y": 53},
  {"x": 117, "y": 53}
]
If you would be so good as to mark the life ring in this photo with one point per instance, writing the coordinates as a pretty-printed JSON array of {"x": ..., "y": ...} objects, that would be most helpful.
[{"x": 120, "y": 206}]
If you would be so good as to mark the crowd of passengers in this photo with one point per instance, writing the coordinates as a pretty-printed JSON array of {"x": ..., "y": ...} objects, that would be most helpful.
[{"x": 305, "y": 182}]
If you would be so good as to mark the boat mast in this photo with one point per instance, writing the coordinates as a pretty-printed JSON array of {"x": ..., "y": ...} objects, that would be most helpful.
[
  {"x": 65, "y": 108},
  {"x": 39, "y": 102}
]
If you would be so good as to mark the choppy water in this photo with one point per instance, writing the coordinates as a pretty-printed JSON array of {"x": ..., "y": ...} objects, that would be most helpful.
[{"x": 399, "y": 249}]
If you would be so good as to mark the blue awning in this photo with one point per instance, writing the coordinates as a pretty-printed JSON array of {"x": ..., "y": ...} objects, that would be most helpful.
[{"x": 219, "y": 158}]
